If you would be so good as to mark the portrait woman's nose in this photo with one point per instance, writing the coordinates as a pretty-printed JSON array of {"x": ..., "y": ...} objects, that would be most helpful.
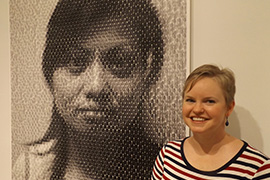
[{"x": 94, "y": 79}]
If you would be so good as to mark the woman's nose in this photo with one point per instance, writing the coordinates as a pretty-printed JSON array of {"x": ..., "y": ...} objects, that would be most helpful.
[
  {"x": 94, "y": 79},
  {"x": 198, "y": 108}
]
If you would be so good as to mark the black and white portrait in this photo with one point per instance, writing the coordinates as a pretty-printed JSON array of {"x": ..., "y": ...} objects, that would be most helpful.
[{"x": 96, "y": 86}]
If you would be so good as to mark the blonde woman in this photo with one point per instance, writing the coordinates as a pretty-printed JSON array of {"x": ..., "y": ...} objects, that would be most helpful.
[{"x": 210, "y": 153}]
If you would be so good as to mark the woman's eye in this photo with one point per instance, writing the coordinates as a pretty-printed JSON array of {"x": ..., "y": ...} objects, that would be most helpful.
[
  {"x": 210, "y": 101},
  {"x": 77, "y": 69},
  {"x": 79, "y": 61},
  {"x": 120, "y": 61},
  {"x": 190, "y": 100}
]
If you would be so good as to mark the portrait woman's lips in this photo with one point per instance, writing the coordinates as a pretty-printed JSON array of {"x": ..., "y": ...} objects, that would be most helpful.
[{"x": 90, "y": 114}]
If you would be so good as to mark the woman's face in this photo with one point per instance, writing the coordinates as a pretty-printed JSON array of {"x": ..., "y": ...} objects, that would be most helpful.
[
  {"x": 204, "y": 107},
  {"x": 102, "y": 84}
]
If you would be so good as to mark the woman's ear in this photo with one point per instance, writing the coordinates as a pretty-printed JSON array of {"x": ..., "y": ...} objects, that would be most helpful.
[{"x": 230, "y": 108}]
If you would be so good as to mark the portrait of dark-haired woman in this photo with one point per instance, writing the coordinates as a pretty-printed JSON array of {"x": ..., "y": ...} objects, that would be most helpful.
[{"x": 100, "y": 59}]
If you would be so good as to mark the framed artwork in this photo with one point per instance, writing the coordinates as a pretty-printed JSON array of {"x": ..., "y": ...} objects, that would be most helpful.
[{"x": 96, "y": 86}]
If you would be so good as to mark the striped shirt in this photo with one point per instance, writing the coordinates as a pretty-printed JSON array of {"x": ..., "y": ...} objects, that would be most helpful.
[{"x": 248, "y": 163}]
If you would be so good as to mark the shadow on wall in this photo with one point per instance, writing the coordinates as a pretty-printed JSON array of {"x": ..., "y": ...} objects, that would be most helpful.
[{"x": 244, "y": 126}]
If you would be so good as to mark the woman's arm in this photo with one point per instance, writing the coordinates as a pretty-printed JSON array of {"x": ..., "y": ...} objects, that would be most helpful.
[
  {"x": 158, "y": 166},
  {"x": 263, "y": 172}
]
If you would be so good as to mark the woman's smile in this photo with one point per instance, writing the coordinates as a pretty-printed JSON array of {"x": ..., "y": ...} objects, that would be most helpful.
[
  {"x": 198, "y": 119},
  {"x": 204, "y": 106}
]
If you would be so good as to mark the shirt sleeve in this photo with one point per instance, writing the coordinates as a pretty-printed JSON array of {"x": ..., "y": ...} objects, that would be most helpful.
[
  {"x": 158, "y": 168},
  {"x": 263, "y": 172},
  {"x": 35, "y": 163}
]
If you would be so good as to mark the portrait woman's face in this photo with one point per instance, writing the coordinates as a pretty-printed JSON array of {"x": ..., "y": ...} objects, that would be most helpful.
[{"x": 102, "y": 84}]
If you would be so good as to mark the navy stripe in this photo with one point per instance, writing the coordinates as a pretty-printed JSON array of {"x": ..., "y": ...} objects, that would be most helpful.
[
  {"x": 176, "y": 162},
  {"x": 253, "y": 166},
  {"x": 160, "y": 160},
  {"x": 258, "y": 154},
  {"x": 173, "y": 175},
  {"x": 231, "y": 176},
  {"x": 157, "y": 171},
  {"x": 265, "y": 176},
  {"x": 173, "y": 148}
]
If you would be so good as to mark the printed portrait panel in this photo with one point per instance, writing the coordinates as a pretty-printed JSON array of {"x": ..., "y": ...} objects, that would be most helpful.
[{"x": 96, "y": 86}]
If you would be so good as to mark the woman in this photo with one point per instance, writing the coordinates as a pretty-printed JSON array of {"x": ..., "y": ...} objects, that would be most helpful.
[
  {"x": 210, "y": 153},
  {"x": 100, "y": 59}
]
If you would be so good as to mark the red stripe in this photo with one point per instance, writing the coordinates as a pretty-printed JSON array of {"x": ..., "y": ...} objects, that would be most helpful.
[
  {"x": 166, "y": 178},
  {"x": 252, "y": 148},
  {"x": 240, "y": 170},
  {"x": 175, "y": 155},
  {"x": 157, "y": 163},
  {"x": 182, "y": 172},
  {"x": 267, "y": 166},
  {"x": 156, "y": 175},
  {"x": 162, "y": 153},
  {"x": 175, "y": 143},
  {"x": 251, "y": 158}
]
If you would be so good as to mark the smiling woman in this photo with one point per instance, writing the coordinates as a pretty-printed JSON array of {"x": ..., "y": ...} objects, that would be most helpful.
[
  {"x": 205, "y": 103},
  {"x": 210, "y": 153}
]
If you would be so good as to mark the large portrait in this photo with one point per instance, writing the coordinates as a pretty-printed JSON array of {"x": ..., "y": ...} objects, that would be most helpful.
[{"x": 96, "y": 86}]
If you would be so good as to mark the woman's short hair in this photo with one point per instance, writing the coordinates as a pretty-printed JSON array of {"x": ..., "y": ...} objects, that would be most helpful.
[
  {"x": 74, "y": 20},
  {"x": 225, "y": 78}
]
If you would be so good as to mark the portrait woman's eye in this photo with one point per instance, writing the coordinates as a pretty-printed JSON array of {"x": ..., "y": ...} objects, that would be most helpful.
[
  {"x": 79, "y": 61},
  {"x": 121, "y": 60}
]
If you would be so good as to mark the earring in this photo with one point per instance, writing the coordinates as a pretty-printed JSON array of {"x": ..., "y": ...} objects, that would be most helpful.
[{"x": 227, "y": 122}]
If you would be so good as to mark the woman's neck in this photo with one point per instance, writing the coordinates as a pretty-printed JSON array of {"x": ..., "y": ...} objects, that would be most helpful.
[
  {"x": 208, "y": 144},
  {"x": 74, "y": 173},
  {"x": 82, "y": 156}
]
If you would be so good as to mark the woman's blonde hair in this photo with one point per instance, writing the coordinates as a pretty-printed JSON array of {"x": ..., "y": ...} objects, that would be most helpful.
[{"x": 224, "y": 76}]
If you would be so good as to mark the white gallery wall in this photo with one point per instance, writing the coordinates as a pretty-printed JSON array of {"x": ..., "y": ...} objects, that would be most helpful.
[
  {"x": 5, "y": 98},
  {"x": 230, "y": 33}
]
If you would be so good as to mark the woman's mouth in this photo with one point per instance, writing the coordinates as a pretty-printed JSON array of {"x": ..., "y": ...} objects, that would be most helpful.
[
  {"x": 198, "y": 119},
  {"x": 89, "y": 114}
]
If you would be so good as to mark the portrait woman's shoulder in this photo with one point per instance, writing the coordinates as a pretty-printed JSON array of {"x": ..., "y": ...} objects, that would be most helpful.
[{"x": 35, "y": 162}]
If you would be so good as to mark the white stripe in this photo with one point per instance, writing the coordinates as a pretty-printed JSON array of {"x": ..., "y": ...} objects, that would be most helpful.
[
  {"x": 243, "y": 167},
  {"x": 249, "y": 161}
]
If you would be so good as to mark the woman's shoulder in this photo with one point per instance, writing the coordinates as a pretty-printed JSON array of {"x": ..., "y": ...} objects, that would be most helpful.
[
  {"x": 254, "y": 152},
  {"x": 35, "y": 162},
  {"x": 177, "y": 142},
  {"x": 174, "y": 145},
  {"x": 258, "y": 159}
]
